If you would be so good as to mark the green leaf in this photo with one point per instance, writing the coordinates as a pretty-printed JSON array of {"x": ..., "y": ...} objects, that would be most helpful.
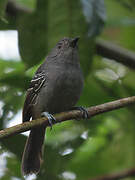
[
  {"x": 32, "y": 33},
  {"x": 3, "y": 4}
]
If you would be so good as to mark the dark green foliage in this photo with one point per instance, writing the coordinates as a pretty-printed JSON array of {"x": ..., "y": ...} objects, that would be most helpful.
[
  {"x": 102, "y": 145},
  {"x": 3, "y": 4}
]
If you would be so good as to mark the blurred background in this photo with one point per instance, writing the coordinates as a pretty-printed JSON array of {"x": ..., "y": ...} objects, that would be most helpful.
[{"x": 74, "y": 150}]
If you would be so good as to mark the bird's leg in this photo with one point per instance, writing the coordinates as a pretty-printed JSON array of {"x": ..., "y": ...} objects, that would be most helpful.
[
  {"x": 83, "y": 110},
  {"x": 50, "y": 118}
]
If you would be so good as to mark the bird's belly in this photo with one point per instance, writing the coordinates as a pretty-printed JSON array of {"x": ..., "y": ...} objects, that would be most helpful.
[{"x": 64, "y": 94}]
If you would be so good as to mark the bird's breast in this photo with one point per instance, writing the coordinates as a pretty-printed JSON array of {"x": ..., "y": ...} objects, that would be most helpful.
[{"x": 62, "y": 88}]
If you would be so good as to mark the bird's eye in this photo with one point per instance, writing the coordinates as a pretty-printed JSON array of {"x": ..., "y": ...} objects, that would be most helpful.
[{"x": 59, "y": 46}]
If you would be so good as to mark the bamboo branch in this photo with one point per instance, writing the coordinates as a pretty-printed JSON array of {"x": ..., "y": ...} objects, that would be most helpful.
[
  {"x": 70, "y": 115},
  {"x": 116, "y": 176}
]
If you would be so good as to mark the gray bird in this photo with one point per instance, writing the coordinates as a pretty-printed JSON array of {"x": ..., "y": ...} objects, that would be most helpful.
[{"x": 56, "y": 87}]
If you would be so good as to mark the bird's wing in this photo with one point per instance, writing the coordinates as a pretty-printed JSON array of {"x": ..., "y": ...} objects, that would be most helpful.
[{"x": 36, "y": 83}]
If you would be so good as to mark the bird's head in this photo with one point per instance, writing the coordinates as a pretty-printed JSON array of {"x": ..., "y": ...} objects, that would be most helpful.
[{"x": 66, "y": 50}]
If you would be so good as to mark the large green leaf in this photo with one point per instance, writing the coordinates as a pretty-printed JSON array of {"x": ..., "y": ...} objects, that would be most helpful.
[
  {"x": 32, "y": 33},
  {"x": 37, "y": 36}
]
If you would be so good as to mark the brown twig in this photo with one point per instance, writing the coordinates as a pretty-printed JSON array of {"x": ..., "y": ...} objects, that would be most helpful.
[
  {"x": 116, "y": 176},
  {"x": 115, "y": 52},
  {"x": 14, "y": 9},
  {"x": 64, "y": 116}
]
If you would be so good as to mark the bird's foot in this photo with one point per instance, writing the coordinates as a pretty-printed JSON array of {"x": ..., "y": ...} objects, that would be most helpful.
[
  {"x": 83, "y": 110},
  {"x": 50, "y": 118}
]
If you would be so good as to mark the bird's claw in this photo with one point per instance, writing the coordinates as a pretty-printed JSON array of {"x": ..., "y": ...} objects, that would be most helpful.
[
  {"x": 83, "y": 110},
  {"x": 50, "y": 118}
]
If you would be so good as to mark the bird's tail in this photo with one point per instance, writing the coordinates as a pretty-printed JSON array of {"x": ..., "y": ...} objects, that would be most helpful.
[{"x": 32, "y": 155}]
